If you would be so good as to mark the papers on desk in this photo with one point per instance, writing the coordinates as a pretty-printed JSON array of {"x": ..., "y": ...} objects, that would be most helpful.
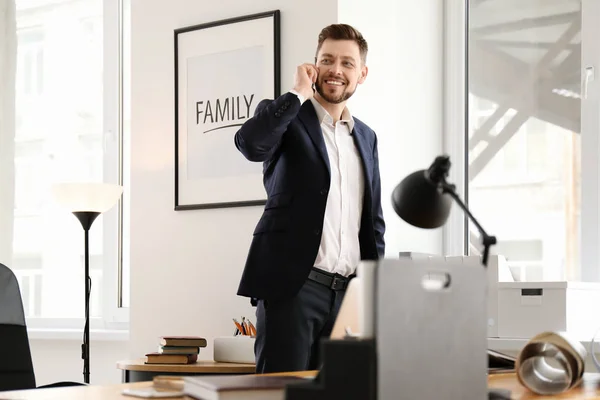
[{"x": 500, "y": 363}]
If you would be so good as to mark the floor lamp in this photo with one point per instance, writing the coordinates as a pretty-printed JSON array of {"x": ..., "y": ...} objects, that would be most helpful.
[{"x": 87, "y": 201}]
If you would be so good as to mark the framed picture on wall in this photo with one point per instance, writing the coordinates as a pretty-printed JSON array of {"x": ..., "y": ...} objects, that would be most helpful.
[{"x": 223, "y": 69}]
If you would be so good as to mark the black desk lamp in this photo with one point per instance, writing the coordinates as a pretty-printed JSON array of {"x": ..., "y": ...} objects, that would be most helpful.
[
  {"x": 87, "y": 201},
  {"x": 423, "y": 199}
]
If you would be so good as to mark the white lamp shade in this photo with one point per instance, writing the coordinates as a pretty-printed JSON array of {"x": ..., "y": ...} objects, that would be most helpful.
[{"x": 96, "y": 197}]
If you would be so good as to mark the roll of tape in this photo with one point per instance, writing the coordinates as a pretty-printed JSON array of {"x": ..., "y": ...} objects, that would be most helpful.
[{"x": 551, "y": 363}]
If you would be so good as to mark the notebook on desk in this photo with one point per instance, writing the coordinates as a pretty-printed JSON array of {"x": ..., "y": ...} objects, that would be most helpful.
[
  {"x": 232, "y": 387},
  {"x": 347, "y": 318}
]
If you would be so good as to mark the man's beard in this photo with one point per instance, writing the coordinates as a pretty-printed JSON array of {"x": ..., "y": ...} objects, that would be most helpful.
[{"x": 345, "y": 95}]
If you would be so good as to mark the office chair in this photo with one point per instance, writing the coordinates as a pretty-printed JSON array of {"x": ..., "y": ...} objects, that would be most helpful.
[{"x": 16, "y": 365}]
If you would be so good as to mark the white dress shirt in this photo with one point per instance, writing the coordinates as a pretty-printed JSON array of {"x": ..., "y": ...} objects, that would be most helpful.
[{"x": 339, "y": 251}]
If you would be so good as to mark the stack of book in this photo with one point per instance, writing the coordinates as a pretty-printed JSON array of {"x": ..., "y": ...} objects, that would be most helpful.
[{"x": 177, "y": 350}]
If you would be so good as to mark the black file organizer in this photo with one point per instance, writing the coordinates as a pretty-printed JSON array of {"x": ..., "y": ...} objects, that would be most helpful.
[{"x": 349, "y": 372}]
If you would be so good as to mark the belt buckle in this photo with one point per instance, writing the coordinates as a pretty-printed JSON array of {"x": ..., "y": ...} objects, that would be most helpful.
[{"x": 337, "y": 283}]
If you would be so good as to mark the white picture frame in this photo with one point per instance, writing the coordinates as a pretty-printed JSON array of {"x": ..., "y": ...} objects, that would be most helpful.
[{"x": 223, "y": 69}]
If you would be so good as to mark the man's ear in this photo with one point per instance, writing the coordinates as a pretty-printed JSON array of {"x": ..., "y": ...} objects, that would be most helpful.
[{"x": 363, "y": 74}]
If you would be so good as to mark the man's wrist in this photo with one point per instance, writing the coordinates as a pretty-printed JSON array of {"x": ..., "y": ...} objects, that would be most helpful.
[{"x": 300, "y": 96}]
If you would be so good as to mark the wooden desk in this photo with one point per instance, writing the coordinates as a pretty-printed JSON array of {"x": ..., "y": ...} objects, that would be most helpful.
[
  {"x": 109, "y": 392},
  {"x": 589, "y": 391},
  {"x": 138, "y": 371}
]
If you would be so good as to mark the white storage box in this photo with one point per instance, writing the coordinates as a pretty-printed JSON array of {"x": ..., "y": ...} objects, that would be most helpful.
[
  {"x": 498, "y": 271},
  {"x": 234, "y": 349},
  {"x": 528, "y": 308}
]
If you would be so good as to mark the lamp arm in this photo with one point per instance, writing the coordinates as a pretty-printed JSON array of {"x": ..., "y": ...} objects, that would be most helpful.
[{"x": 487, "y": 240}]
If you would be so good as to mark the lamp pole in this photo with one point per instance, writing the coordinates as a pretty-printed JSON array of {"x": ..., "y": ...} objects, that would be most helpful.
[
  {"x": 86, "y": 218},
  {"x": 437, "y": 174},
  {"x": 486, "y": 239},
  {"x": 87, "y": 201}
]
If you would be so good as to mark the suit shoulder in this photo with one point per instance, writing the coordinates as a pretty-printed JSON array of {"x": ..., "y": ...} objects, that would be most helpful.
[
  {"x": 364, "y": 128},
  {"x": 264, "y": 102},
  {"x": 285, "y": 97}
]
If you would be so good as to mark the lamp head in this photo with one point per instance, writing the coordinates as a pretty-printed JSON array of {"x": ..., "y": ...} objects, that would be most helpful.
[
  {"x": 420, "y": 199},
  {"x": 84, "y": 197}
]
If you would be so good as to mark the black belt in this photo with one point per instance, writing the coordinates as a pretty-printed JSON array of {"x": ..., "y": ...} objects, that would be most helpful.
[{"x": 332, "y": 281}]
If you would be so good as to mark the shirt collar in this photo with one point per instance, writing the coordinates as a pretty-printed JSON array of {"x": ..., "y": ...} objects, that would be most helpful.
[{"x": 323, "y": 115}]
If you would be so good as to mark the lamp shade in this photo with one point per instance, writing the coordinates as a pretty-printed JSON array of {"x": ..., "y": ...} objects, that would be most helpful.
[
  {"x": 419, "y": 201},
  {"x": 80, "y": 197}
]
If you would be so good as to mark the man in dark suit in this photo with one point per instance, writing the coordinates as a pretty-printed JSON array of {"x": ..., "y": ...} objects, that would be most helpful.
[{"x": 323, "y": 212}]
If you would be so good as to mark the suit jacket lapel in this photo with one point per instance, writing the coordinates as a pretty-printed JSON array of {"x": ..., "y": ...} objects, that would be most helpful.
[
  {"x": 308, "y": 116},
  {"x": 365, "y": 154}
]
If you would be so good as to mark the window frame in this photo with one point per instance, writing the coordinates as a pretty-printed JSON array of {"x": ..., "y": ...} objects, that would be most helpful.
[
  {"x": 455, "y": 116},
  {"x": 455, "y": 136},
  {"x": 590, "y": 146},
  {"x": 113, "y": 316}
]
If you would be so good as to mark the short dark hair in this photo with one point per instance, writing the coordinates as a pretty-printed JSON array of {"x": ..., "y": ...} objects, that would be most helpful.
[{"x": 344, "y": 32}]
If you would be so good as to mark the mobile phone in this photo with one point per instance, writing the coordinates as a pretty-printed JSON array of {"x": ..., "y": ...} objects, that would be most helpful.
[{"x": 152, "y": 393}]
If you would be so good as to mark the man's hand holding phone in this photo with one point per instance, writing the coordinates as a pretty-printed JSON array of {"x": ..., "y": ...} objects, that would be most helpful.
[{"x": 304, "y": 78}]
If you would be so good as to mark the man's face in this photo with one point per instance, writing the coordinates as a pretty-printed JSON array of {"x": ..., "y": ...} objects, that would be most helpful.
[{"x": 340, "y": 70}]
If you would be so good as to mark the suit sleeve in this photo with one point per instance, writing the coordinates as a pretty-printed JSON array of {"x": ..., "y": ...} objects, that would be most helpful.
[
  {"x": 260, "y": 137},
  {"x": 378, "y": 222}
]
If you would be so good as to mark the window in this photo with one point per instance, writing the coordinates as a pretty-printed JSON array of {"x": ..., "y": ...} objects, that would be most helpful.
[
  {"x": 524, "y": 152},
  {"x": 67, "y": 102},
  {"x": 30, "y": 76}
]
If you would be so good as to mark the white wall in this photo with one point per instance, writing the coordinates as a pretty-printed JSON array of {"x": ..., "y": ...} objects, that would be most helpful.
[
  {"x": 185, "y": 266},
  {"x": 60, "y": 360},
  {"x": 401, "y": 99}
]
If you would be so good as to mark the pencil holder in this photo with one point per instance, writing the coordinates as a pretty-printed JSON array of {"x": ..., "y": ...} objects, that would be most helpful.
[{"x": 234, "y": 349}]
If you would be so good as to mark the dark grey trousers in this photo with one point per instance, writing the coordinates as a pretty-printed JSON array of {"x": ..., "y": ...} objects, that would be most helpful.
[{"x": 288, "y": 331}]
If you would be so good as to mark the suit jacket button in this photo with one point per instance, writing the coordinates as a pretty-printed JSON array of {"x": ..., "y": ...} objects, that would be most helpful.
[
  {"x": 317, "y": 231},
  {"x": 277, "y": 114},
  {"x": 323, "y": 192}
]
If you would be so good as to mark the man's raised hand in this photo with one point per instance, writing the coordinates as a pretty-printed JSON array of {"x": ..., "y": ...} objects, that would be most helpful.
[{"x": 305, "y": 76}]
